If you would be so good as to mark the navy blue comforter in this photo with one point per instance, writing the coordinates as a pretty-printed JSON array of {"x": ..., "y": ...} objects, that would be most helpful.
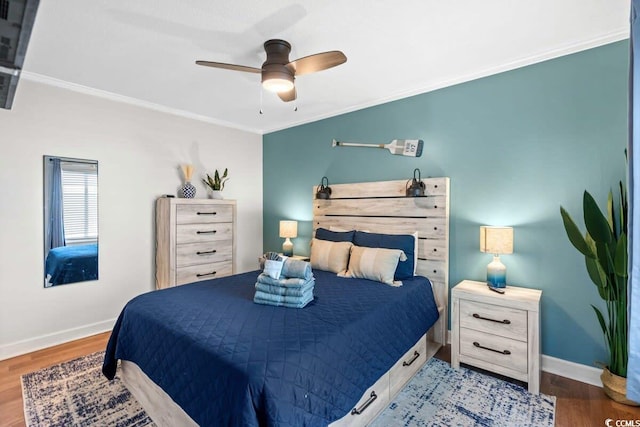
[
  {"x": 70, "y": 264},
  {"x": 228, "y": 361}
]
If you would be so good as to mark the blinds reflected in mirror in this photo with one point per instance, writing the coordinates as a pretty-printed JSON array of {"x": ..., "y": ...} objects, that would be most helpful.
[{"x": 80, "y": 201}]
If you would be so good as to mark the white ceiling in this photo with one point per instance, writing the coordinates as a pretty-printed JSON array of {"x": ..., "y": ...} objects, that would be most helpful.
[{"x": 143, "y": 51}]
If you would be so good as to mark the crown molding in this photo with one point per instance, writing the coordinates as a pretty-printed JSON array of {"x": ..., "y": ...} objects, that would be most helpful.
[{"x": 86, "y": 90}]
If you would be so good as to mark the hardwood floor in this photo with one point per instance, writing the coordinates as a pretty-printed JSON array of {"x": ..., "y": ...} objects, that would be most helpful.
[
  {"x": 11, "y": 410},
  {"x": 578, "y": 404}
]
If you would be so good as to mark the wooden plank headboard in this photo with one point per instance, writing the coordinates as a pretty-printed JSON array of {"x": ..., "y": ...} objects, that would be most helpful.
[{"x": 381, "y": 207}]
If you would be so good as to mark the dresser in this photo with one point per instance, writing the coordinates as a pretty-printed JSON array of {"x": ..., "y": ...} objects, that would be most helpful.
[
  {"x": 497, "y": 332},
  {"x": 195, "y": 240}
]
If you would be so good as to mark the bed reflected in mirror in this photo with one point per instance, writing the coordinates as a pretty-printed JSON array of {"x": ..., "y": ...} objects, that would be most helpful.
[{"x": 70, "y": 220}]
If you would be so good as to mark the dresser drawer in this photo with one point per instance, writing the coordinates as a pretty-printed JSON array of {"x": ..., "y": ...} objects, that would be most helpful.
[
  {"x": 195, "y": 273},
  {"x": 494, "y": 319},
  {"x": 408, "y": 365},
  {"x": 198, "y": 233},
  {"x": 201, "y": 253},
  {"x": 203, "y": 214},
  {"x": 494, "y": 349}
]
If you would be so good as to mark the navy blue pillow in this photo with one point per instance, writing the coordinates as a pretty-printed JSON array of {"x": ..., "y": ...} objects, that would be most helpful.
[
  {"x": 334, "y": 236},
  {"x": 404, "y": 242}
]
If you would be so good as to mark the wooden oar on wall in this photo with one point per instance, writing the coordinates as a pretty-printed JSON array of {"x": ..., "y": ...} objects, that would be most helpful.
[{"x": 403, "y": 147}]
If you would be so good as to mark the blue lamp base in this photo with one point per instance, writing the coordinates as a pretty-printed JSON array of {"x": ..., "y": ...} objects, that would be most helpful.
[
  {"x": 496, "y": 273},
  {"x": 287, "y": 247}
]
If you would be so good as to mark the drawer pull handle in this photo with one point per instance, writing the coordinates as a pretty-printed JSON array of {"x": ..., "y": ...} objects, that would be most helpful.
[
  {"x": 206, "y": 252},
  {"x": 207, "y": 232},
  {"x": 413, "y": 359},
  {"x": 505, "y": 321},
  {"x": 365, "y": 405},
  {"x": 207, "y": 213},
  {"x": 505, "y": 352},
  {"x": 206, "y": 274}
]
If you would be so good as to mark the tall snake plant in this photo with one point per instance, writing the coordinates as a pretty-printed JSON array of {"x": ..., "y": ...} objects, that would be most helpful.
[{"x": 604, "y": 246}]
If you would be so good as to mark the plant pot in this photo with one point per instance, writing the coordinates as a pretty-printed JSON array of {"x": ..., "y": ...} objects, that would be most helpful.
[
  {"x": 616, "y": 388},
  {"x": 215, "y": 194}
]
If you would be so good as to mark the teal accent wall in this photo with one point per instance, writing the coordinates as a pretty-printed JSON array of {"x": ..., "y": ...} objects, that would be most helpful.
[{"x": 516, "y": 146}]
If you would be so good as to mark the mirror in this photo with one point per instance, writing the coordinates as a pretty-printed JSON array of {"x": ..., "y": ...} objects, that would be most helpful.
[{"x": 70, "y": 220}]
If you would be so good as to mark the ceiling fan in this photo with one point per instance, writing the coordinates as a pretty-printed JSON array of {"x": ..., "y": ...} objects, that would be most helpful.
[{"x": 278, "y": 73}]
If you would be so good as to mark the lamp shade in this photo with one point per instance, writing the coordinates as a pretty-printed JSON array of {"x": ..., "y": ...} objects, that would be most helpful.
[
  {"x": 496, "y": 240},
  {"x": 288, "y": 228}
]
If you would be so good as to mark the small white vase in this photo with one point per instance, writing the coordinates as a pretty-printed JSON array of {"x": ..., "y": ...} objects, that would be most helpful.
[{"x": 215, "y": 194}]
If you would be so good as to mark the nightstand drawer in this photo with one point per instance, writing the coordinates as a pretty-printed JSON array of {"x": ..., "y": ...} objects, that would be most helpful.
[
  {"x": 494, "y": 349},
  {"x": 494, "y": 319}
]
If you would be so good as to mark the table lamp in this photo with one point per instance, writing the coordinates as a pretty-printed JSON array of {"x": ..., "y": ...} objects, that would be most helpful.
[
  {"x": 288, "y": 229},
  {"x": 496, "y": 240}
]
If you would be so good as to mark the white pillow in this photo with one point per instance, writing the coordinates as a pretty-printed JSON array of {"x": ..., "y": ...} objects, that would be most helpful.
[
  {"x": 330, "y": 256},
  {"x": 377, "y": 264}
]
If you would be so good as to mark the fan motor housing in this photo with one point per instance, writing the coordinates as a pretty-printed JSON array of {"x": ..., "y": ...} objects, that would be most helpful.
[{"x": 275, "y": 66}]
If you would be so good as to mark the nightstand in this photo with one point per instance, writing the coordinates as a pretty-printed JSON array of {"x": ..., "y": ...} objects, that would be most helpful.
[
  {"x": 299, "y": 257},
  {"x": 497, "y": 332}
]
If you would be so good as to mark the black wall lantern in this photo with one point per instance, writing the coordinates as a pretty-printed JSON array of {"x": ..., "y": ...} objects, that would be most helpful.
[
  {"x": 323, "y": 191},
  {"x": 417, "y": 187}
]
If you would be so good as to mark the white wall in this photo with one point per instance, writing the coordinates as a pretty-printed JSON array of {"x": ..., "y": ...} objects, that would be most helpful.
[{"x": 139, "y": 151}]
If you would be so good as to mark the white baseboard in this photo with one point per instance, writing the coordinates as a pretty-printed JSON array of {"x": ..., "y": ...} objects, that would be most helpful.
[
  {"x": 38, "y": 343},
  {"x": 564, "y": 368},
  {"x": 572, "y": 370}
]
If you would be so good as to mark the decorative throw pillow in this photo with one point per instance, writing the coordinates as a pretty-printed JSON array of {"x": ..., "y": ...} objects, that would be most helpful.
[
  {"x": 330, "y": 256},
  {"x": 334, "y": 236},
  {"x": 377, "y": 264},
  {"x": 407, "y": 243}
]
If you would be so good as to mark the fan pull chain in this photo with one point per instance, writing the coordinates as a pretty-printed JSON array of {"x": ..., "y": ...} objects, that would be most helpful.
[{"x": 261, "y": 100}]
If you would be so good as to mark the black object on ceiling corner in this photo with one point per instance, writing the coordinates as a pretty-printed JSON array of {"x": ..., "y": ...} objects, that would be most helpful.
[{"x": 16, "y": 22}]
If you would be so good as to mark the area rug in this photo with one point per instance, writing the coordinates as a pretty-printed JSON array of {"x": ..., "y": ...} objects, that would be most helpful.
[
  {"x": 442, "y": 396},
  {"x": 75, "y": 393}
]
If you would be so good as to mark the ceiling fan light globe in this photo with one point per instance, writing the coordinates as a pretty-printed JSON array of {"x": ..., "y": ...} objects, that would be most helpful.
[{"x": 277, "y": 85}]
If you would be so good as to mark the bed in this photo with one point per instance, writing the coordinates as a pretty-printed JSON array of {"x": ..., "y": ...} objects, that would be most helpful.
[
  {"x": 70, "y": 264},
  {"x": 205, "y": 354}
]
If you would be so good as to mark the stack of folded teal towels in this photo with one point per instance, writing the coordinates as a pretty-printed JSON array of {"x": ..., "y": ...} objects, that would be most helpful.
[{"x": 284, "y": 282}]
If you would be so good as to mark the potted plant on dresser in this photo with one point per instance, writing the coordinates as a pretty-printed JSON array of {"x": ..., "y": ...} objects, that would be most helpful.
[
  {"x": 604, "y": 246},
  {"x": 216, "y": 184}
]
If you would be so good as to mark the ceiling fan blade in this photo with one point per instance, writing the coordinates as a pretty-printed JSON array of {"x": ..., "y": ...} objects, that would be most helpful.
[
  {"x": 230, "y": 66},
  {"x": 289, "y": 95},
  {"x": 318, "y": 62}
]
